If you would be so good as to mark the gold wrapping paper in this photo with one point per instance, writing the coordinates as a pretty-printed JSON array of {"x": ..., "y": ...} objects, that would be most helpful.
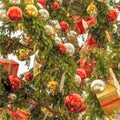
[{"x": 109, "y": 99}]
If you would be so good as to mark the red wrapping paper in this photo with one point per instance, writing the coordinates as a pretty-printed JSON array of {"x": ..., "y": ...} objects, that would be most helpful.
[{"x": 10, "y": 65}]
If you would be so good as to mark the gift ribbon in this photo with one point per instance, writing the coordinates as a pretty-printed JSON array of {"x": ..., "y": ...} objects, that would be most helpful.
[{"x": 110, "y": 102}]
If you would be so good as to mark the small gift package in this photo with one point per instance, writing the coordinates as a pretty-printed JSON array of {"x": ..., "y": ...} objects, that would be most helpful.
[
  {"x": 109, "y": 99},
  {"x": 10, "y": 65}
]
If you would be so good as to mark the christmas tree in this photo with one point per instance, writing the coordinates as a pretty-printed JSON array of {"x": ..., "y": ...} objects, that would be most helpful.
[{"x": 69, "y": 81}]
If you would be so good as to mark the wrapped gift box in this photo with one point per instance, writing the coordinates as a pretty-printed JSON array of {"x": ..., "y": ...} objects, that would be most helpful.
[
  {"x": 109, "y": 99},
  {"x": 10, "y": 65}
]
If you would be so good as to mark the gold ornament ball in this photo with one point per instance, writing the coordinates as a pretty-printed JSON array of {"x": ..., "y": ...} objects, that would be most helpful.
[
  {"x": 23, "y": 54},
  {"x": 92, "y": 10},
  {"x": 30, "y": 11}
]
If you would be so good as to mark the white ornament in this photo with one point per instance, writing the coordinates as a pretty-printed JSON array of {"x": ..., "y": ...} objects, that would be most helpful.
[
  {"x": 77, "y": 79},
  {"x": 115, "y": 27},
  {"x": 14, "y": 2},
  {"x": 3, "y": 16},
  {"x": 44, "y": 14},
  {"x": 70, "y": 48},
  {"x": 57, "y": 40},
  {"x": 71, "y": 35},
  {"x": 48, "y": 29},
  {"x": 97, "y": 86},
  {"x": 12, "y": 97}
]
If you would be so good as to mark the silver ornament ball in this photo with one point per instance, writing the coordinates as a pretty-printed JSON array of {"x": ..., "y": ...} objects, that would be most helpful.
[
  {"x": 97, "y": 86},
  {"x": 70, "y": 48}
]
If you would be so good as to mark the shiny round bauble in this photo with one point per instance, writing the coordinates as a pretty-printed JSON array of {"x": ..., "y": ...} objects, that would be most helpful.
[
  {"x": 48, "y": 29},
  {"x": 92, "y": 10},
  {"x": 57, "y": 40},
  {"x": 73, "y": 102},
  {"x": 28, "y": 76},
  {"x": 14, "y": 2},
  {"x": 64, "y": 26},
  {"x": 14, "y": 13},
  {"x": 97, "y": 86},
  {"x": 71, "y": 35},
  {"x": 62, "y": 48},
  {"x": 14, "y": 82},
  {"x": 44, "y": 14},
  {"x": 55, "y": 5},
  {"x": 12, "y": 97},
  {"x": 30, "y": 11},
  {"x": 23, "y": 54},
  {"x": 70, "y": 49}
]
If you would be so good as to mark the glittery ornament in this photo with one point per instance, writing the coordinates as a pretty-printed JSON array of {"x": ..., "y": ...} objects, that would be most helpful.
[
  {"x": 14, "y": 13},
  {"x": 57, "y": 40},
  {"x": 70, "y": 49},
  {"x": 14, "y": 82},
  {"x": 48, "y": 29},
  {"x": 30, "y": 11},
  {"x": 97, "y": 86},
  {"x": 73, "y": 102},
  {"x": 12, "y": 97},
  {"x": 92, "y": 10},
  {"x": 28, "y": 76},
  {"x": 44, "y": 14},
  {"x": 62, "y": 48},
  {"x": 55, "y": 6},
  {"x": 23, "y": 54}
]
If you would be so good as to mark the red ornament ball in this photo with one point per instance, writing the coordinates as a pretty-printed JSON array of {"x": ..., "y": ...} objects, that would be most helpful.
[
  {"x": 62, "y": 48},
  {"x": 14, "y": 82},
  {"x": 28, "y": 76},
  {"x": 81, "y": 72},
  {"x": 73, "y": 102},
  {"x": 119, "y": 7},
  {"x": 112, "y": 16},
  {"x": 55, "y": 5},
  {"x": 64, "y": 26},
  {"x": 14, "y": 13},
  {"x": 42, "y": 2}
]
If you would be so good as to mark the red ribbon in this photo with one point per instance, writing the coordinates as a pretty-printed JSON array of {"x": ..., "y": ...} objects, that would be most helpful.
[{"x": 110, "y": 102}]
